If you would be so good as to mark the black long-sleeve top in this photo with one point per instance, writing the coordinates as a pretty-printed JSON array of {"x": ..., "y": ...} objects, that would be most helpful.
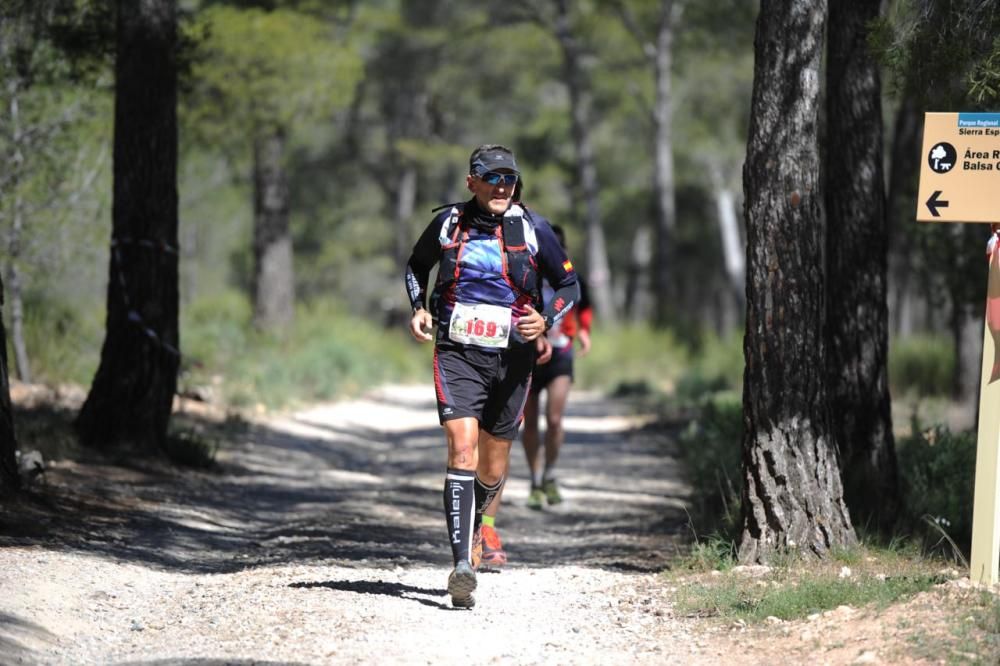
[{"x": 481, "y": 282}]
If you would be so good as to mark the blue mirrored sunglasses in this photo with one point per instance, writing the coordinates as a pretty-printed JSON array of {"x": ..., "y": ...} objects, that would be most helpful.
[{"x": 494, "y": 178}]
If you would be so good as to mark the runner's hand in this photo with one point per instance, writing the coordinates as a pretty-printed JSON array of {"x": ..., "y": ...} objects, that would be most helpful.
[
  {"x": 420, "y": 325},
  {"x": 531, "y": 325},
  {"x": 544, "y": 349},
  {"x": 584, "y": 337}
]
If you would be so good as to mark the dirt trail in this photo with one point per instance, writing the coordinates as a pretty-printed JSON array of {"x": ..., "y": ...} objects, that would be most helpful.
[{"x": 322, "y": 541}]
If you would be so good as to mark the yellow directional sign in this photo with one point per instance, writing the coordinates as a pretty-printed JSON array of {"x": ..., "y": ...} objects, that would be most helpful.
[
  {"x": 960, "y": 182},
  {"x": 960, "y": 168}
]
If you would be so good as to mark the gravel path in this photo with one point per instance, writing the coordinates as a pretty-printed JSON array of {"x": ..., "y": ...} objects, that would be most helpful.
[{"x": 322, "y": 542}]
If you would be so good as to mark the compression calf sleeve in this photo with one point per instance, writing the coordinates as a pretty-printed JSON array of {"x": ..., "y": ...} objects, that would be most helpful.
[
  {"x": 459, "y": 507},
  {"x": 485, "y": 493}
]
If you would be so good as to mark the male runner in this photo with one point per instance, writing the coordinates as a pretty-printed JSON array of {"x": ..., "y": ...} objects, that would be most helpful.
[
  {"x": 492, "y": 255},
  {"x": 555, "y": 377}
]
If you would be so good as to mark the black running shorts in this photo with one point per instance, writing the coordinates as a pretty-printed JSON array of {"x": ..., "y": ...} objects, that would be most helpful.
[
  {"x": 487, "y": 385},
  {"x": 560, "y": 364}
]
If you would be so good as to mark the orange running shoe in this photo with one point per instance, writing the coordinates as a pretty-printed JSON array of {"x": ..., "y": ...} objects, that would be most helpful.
[
  {"x": 493, "y": 554},
  {"x": 477, "y": 548}
]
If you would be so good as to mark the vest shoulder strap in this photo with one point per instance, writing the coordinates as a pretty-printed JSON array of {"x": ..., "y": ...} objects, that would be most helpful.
[
  {"x": 450, "y": 223},
  {"x": 448, "y": 205}
]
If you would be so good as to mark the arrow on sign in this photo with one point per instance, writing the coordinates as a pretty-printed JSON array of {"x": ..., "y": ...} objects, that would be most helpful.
[{"x": 934, "y": 203}]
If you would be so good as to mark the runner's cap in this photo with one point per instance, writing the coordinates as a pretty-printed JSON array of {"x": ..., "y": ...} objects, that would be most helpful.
[{"x": 494, "y": 159}]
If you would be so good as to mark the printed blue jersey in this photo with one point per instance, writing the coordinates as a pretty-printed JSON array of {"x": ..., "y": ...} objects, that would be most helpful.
[{"x": 482, "y": 275}]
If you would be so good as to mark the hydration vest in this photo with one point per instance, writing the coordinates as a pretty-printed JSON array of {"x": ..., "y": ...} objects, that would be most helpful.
[{"x": 518, "y": 244}]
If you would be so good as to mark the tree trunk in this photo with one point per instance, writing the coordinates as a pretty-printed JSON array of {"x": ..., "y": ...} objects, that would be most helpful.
[
  {"x": 959, "y": 247},
  {"x": 904, "y": 172},
  {"x": 733, "y": 251},
  {"x": 406, "y": 201},
  {"x": 14, "y": 236},
  {"x": 10, "y": 480},
  {"x": 191, "y": 233},
  {"x": 638, "y": 296},
  {"x": 17, "y": 340},
  {"x": 663, "y": 167},
  {"x": 967, "y": 334},
  {"x": 130, "y": 400},
  {"x": 792, "y": 495},
  {"x": 598, "y": 271},
  {"x": 969, "y": 356},
  {"x": 273, "y": 276},
  {"x": 857, "y": 318}
]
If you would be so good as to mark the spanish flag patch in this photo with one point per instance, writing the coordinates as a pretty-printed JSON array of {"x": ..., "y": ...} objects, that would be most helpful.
[{"x": 567, "y": 265}]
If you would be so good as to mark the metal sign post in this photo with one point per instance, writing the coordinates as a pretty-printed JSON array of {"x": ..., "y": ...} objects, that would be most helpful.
[{"x": 959, "y": 182}]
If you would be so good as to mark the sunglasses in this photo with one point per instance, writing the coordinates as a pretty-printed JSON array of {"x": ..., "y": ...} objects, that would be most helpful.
[{"x": 494, "y": 178}]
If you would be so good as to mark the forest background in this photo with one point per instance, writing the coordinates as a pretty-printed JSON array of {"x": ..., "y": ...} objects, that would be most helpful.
[{"x": 315, "y": 138}]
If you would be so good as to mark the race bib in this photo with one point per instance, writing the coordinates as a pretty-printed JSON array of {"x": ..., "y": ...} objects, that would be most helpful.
[{"x": 481, "y": 325}]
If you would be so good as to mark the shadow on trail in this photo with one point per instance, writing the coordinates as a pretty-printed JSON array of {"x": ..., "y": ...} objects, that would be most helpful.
[
  {"x": 210, "y": 662},
  {"x": 13, "y": 631},
  {"x": 389, "y": 589},
  {"x": 357, "y": 485}
]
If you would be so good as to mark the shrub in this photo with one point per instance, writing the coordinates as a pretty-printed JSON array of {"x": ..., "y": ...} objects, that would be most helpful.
[
  {"x": 937, "y": 469},
  {"x": 633, "y": 356},
  {"x": 188, "y": 448},
  {"x": 716, "y": 366},
  {"x": 711, "y": 449},
  {"x": 714, "y": 553},
  {"x": 923, "y": 365},
  {"x": 63, "y": 342},
  {"x": 328, "y": 353}
]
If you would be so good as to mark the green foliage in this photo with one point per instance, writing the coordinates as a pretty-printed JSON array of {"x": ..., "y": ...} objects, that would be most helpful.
[
  {"x": 711, "y": 448},
  {"x": 944, "y": 53},
  {"x": 64, "y": 341},
  {"x": 632, "y": 354},
  {"x": 366, "y": 89},
  {"x": 988, "y": 619},
  {"x": 984, "y": 79},
  {"x": 257, "y": 71},
  {"x": 716, "y": 365},
  {"x": 714, "y": 553},
  {"x": 922, "y": 365},
  {"x": 941, "y": 56},
  {"x": 936, "y": 469},
  {"x": 331, "y": 353},
  {"x": 215, "y": 331},
  {"x": 188, "y": 448},
  {"x": 55, "y": 147},
  {"x": 814, "y": 595},
  {"x": 803, "y": 588},
  {"x": 46, "y": 428}
]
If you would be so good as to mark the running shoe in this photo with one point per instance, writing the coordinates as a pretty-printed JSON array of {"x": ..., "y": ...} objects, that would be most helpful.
[
  {"x": 551, "y": 490},
  {"x": 493, "y": 556},
  {"x": 461, "y": 585},
  {"x": 536, "y": 499},
  {"x": 477, "y": 548}
]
